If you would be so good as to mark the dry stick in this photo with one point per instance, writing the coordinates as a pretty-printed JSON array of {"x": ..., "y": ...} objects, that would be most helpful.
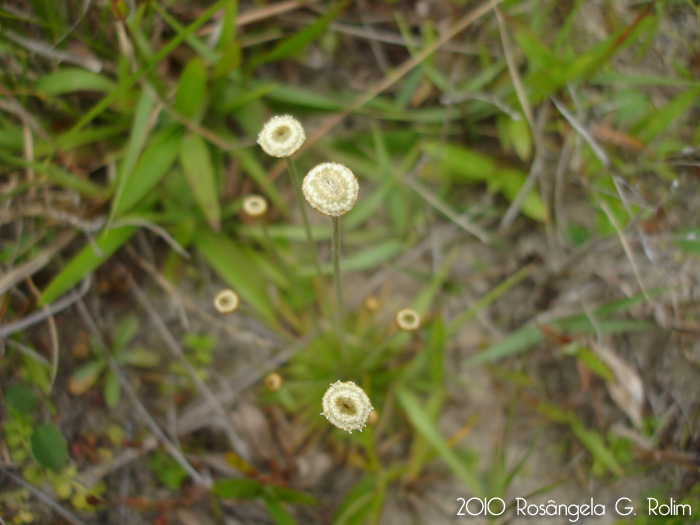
[
  {"x": 513, "y": 70},
  {"x": 37, "y": 317},
  {"x": 64, "y": 513},
  {"x": 140, "y": 409},
  {"x": 176, "y": 350}
]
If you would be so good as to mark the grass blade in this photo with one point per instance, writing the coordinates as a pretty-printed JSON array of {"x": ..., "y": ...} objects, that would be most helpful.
[
  {"x": 422, "y": 423},
  {"x": 199, "y": 171},
  {"x": 87, "y": 260}
]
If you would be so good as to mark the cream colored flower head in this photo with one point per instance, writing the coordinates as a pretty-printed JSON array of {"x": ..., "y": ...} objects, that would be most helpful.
[
  {"x": 331, "y": 189},
  {"x": 346, "y": 406},
  {"x": 226, "y": 302},
  {"x": 282, "y": 136},
  {"x": 408, "y": 319},
  {"x": 254, "y": 206}
]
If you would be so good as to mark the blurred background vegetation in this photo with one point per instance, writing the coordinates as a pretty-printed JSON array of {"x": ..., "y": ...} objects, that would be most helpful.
[{"x": 528, "y": 183}]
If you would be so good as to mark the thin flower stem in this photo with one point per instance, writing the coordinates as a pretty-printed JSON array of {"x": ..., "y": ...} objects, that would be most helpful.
[
  {"x": 336, "y": 280},
  {"x": 297, "y": 190}
]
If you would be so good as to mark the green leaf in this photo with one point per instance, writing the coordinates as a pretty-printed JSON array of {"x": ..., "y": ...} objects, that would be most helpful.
[
  {"x": 197, "y": 165},
  {"x": 113, "y": 389},
  {"x": 49, "y": 447},
  {"x": 191, "y": 90},
  {"x": 595, "y": 444},
  {"x": 276, "y": 510},
  {"x": 125, "y": 332},
  {"x": 423, "y": 424},
  {"x": 137, "y": 138},
  {"x": 19, "y": 398},
  {"x": 660, "y": 121},
  {"x": 237, "y": 488},
  {"x": 237, "y": 268},
  {"x": 357, "y": 504},
  {"x": 252, "y": 167},
  {"x": 71, "y": 80},
  {"x": 154, "y": 163},
  {"x": 688, "y": 240},
  {"x": 298, "y": 42},
  {"x": 141, "y": 357},
  {"x": 88, "y": 259},
  {"x": 291, "y": 496},
  {"x": 436, "y": 351},
  {"x": 85, "y": 377}
]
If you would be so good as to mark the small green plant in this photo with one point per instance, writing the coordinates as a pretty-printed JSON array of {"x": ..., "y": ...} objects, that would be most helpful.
[{"x": 97, "y": 368}]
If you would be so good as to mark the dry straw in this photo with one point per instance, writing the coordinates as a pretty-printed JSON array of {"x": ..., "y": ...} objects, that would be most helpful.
[
  {"x": 408, "y": 319},
  {"x": 331, "y": 188},
  {"x": 282, "y": 136},
  {"x": 346, "y": 406},
  {"x": 226, "y": 302}
]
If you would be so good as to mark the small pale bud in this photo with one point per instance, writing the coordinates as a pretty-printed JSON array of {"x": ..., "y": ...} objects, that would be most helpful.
[
  {"x": 408, "y": 319},
  {"x": 282, "y": 136},
  {"x": 255, "y": 206},
  {"x": 226, "y": 302},
  {"x": 331, "y": 189},
  {"x": 346, "y": 406},
  {"x": 273, "y": 382}
]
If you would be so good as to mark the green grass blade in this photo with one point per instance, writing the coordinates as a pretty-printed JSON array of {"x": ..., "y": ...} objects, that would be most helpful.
[
  {"x": 661, "y": 120},
  {"x": 298, "y": 42},
  {"x": 255, "y": 171},
  {"x": 237, "y": 268},
  {"x": 137, "y": 138},
  {"x": 191, "y": 95},
  {"x": 155, "y": 162},
  {"x": 71, "y": 80},
  {"x": 87, "y": 260},
  {"x": 422, "y": 423},
  {"x": 276, "y": 510},
  {"x": 198, "y": 168},
  {"x": 127, "y": 83}
]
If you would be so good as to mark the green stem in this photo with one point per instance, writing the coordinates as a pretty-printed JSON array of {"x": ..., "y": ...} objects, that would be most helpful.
[
  {"x": 336, "y": 281},
  {"x": 297, "y": 190}
]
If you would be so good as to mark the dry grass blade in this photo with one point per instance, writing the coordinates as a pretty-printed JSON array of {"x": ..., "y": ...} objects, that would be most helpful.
[{"x": 581, "y": 130}]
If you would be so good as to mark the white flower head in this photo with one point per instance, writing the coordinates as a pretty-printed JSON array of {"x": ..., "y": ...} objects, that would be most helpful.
[
  {"x": 408, "y": 319},
  {"x": 226, "y": 302},
  {"x": 255, "y": 206},
  {"x": 331, "y": 189},
  {"x": 346, "y": 406},
  {"x": 282, "y": 136}
]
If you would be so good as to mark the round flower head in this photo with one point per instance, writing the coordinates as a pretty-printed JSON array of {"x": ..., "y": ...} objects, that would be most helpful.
[
  {"x": 281, "y": 136},
  {"x": 331, "y": 189},
  {"x": 226, "y": 302},
  {"x": 346, "y": 406},
  {"x": 408, "y": 319},
  {"x": 273, "y": 382},
  {"x": 255, "y": 206}
]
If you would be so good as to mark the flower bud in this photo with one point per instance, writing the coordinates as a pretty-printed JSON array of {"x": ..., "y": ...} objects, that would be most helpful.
[
  {"x": 226, "y": 302},
  {"x": 408, "y": 319},
  {"x": 255, "y": 206}
]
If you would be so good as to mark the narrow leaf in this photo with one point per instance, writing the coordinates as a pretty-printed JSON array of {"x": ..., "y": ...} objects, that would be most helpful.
[
  {"x": 197, "y": 165},
  {"x": 88, "y": 259},
  {"x": 191, "y": 90},
  {"x": 422, "y": 423},
  {"x": 155, "y": 162}
]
